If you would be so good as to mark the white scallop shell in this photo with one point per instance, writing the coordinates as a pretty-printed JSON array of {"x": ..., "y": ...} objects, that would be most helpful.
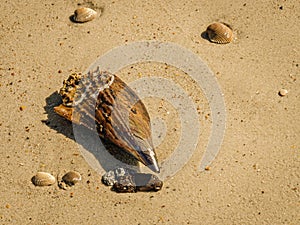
[
  {"x": 43, "y": 179},
  {"x": 219, "y": 33},
  {"x": 84, "y": 14}
]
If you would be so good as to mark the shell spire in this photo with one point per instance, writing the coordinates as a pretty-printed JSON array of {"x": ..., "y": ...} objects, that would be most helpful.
[{"x": 102, "y": 102}]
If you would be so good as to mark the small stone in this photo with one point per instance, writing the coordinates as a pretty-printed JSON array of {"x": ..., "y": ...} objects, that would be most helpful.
[
  {"x": 282, "y": 92},
  {"x": 124, "y": 180},
  {"x": 207, "y": 168}
]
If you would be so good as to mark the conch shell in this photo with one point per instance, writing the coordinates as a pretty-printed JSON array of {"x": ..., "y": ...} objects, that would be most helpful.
[{"x": 102, "y": 102}]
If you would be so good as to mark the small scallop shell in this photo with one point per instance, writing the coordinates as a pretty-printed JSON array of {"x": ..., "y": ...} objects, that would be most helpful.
[
  {"x": 219, "y": 33},
  {"x": 43, "y": 179},
  {"x": 83, "y": 14},
  {"x": 71, "y": 178}
]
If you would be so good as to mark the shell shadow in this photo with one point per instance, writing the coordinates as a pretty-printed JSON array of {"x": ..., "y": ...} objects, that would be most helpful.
[
  {"x": 204, "y": 35},
  {"x": 100, "y": 154},
  {"x": 53, "y": 120},
  {"x": 72, "y": 19}
]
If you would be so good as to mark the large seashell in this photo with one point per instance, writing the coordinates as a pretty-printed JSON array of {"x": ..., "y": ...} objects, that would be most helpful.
[
  {"x": 43, "y": 179},
  {"x": 219, "y": 33},
  {"x": 103, "y": 102},
  {"x": 83, "y": 14}
]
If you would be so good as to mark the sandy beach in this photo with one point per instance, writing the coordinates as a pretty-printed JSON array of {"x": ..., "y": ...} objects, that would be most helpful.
[{"x": 255, "y": 176}]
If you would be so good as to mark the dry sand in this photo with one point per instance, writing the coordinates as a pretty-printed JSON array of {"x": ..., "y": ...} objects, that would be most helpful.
[{"x": 253, "y": 180}]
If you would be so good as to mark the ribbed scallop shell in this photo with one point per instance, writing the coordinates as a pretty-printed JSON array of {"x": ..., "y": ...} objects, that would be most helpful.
[
  {"x": 71, "y": 178},
  {"x": 102, "y": 102},
  {"x": 219, "y": 33},
  {"x": 43, "y": 179},
  {"x": 83, "y": 14}
]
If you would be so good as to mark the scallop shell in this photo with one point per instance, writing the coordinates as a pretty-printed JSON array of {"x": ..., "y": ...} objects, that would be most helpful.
[
  {"x": 83, "y": 14},
  {"x": 71, "y": 178},
  {"x": 43, "y": 179},
  {"x": 102, "y": 102},
  {"x": 219, "y": 33}
]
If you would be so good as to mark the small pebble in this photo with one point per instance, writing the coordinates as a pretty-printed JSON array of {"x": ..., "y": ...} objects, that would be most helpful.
[{"x": 282, "y": 92}]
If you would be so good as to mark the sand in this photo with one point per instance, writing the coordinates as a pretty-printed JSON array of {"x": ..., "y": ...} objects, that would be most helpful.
[{"x": 253, "y": 180}]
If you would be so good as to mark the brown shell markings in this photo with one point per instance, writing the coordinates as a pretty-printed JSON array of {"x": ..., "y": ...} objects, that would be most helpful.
[
  {"x": 219, "y": 33},
  {"x": 102, "y": 102},
  {"x": 84, "y": 14},
  {"x": 43, "y": 179}
]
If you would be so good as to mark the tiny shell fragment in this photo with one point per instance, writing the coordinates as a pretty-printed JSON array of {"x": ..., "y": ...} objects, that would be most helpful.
[
  {"x": 219, "y": 33},
  {"x": 283, "y": 92},
  {"x": 43, "y": 179},
  {"x": 83, "y": 14}
]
